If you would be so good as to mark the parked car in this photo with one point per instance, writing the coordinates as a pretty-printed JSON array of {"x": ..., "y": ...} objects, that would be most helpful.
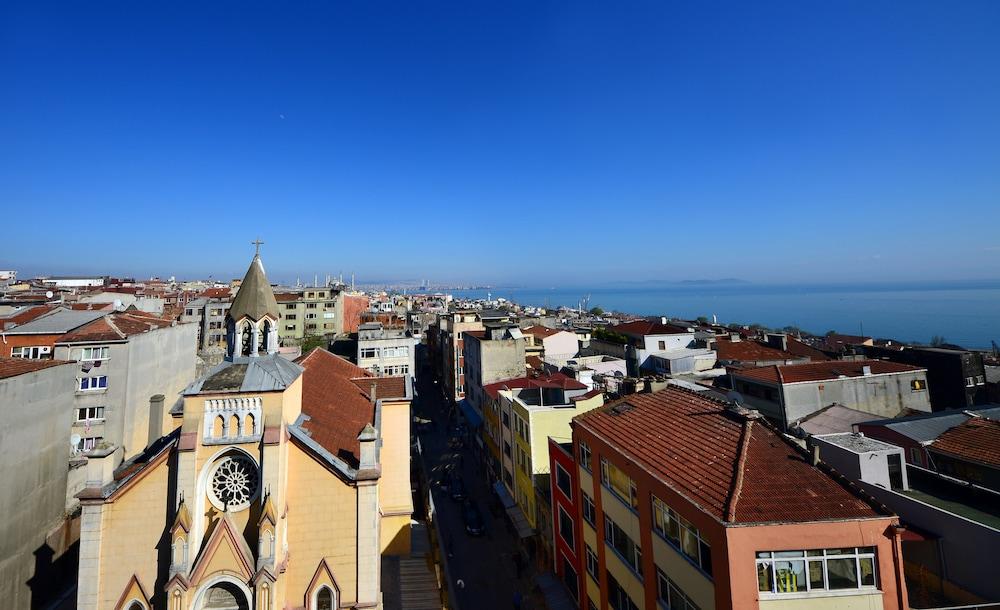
[
  {"x": 457, "y": 489},
  {"x": 473, "y": 519}
]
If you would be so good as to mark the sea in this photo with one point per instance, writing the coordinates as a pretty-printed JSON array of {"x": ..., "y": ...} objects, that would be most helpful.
[{"x": 965, "y": 313}]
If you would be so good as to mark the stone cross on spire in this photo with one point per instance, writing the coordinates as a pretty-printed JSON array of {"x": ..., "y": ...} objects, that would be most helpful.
[{"x": 257, "y": 242}]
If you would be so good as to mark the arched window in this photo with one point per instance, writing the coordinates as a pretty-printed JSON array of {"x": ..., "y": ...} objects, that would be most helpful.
[
  {"x": 247, "y": 339},
  {"x": 234, "y": 426},
  {"x": 324, "y": 599},
  {"x": 178, "y": 551},
  {"x": 248, "y": 425},
  {"x": 136, "y": 606},
  {"x": 219, "y": 427}
]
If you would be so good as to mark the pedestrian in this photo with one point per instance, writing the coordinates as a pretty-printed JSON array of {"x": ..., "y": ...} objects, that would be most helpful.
[{"x": 517, "y": 600}]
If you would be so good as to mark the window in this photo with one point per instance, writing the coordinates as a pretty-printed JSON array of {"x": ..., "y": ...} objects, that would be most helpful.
[
  {"x": 506, "y": 419},
  {"x": 324, "y": 599},
  {"x": 369, "y": 352},
  {"x": 506, "y": 448},
  {"x": 618, "y": 598},
  {"x": 289, "y": 305},
  {"x": 585, "y": 455},
  {"x": 616, "y": 538},
  {"x": 400, "y": 351},
  {"x": 89, "y": 384},
  {"x": 310, "y": 305},
  {"x": 670, "y": 595},
  {"x": 32, "y": 352},
  {"x": 589, "y": 511},
  {"x": 592, "y": 564},
  {"x": 980, "y": 380},
  {"x": 216, "y": 312},
  {"x": 89, "y": 413},
  {"x": 619, "y": 483},
  {"x": 661, "y": 345},
  {"x": 94, "y": 353},
  {"x": 563, "y": 482},
  {"x": 566, "y": 527},
  {"x": 682, "y": 535},
  {"x": 291, "y": 316},
  {"x": 570, "y": 578},
  {"x": 88, "y": 443},
  {"x": 214, "y": 325},
  {"x": 918, "y": 384},
  {"x": 915, "y": 456},
  {"x": 289, "y": 327},
  {"x": 817, "y": 570},
  {"x": 311, "y": 316},
  {"x": 970, "y": 382}
]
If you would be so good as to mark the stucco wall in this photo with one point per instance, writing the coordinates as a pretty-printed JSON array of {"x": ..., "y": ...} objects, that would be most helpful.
[
  {"x": 33, "y": 450},
  {"x": 880, "y": 395}
]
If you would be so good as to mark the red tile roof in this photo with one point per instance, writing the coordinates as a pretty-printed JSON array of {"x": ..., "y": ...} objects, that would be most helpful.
[
  {"x": 115, "y": 327},
  {"x": 286, "y": 297},
  {"x": 646, "y": 327},
  {"x": 216, "y": 293},
  {"x": 976, "y": 440},
  {"x": 12, "y": 367},
  {"x": 823, "y": 371},
  {"x": 737, "y": 470},
  {"x": 799, "y": 348},
  {"x": 335, "y": 397},
  {"x": 747, "y": 351},
  {"x": 555, "y": 380},
  {"x": 25, "y": 316},
  {"x": 540, "y": 331},
  {"x": 534, "y": 362}
]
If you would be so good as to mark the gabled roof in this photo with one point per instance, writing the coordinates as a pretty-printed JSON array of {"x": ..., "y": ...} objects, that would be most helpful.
[
  {"x": 116, "y": 327},
  {"x": 799, "y": 348},
  {"x": 336, "y": 401},
  {"x": 823, "y": 371},
  {"x": 24, "y": 316},
  {"x": 554, "y": 380},
  {"x": 255, "y": 299},
  {"x": 541, "y": 332},
  {"x": 56, "y": 322},
  {"x": 642, "y": 328},
  {"x": 975, "y": 440},
  {"x": 832, "y": 419},
  {"x": 747, "y": 351},
  {"x": 927, "y": 427},
  {"x": 737, "y": 469},
  {"x": 12, "y": 367}
]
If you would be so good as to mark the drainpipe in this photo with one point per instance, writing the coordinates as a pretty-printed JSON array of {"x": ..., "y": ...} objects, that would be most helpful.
[{"x": 897, "y": 556}]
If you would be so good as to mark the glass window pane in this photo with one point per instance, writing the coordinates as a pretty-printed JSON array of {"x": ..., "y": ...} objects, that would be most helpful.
[
  {"x": 842, "y": 573},
  {"x": 689, "y": 542},
  {"x": 765, "y": 581},
  {"x": 763, "y": 554},
  {"x": 818, "y": 553},
  {"x": 706, "y": 557},
  {"x": 867, "y": 572},
  {"x": 816, "y": 575},
  {"x": 788, "y": 554},
  {"x": 790, "y": 576},
  {"x": 849, "y": 551}
]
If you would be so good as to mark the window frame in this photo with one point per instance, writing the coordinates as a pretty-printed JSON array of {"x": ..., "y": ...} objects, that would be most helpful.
[
  {"x": 96, "y": 379},
  {"x": 589, "y": 509},
  {"x": 670, "y": 517},
  {"x": 563, "y": 513},
  {"x": 808, "y": 557},
  {"x": 105, "y": 352}
]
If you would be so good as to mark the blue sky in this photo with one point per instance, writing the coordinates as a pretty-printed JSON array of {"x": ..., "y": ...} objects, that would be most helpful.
[{"x": 526, "y": 142}]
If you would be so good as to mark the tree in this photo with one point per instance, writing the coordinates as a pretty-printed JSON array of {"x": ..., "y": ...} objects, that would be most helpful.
[
  {"x": 702, "y": 320},
  {"x": 937, "y": 341},
  {"x": 596, "y": 311},
  {"x": 309, "y": 342},
  {"x": 830, "y": 333}
]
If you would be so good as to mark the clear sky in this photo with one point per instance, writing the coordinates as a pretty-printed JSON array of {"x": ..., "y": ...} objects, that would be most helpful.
[{"x": 503, "y": 141}]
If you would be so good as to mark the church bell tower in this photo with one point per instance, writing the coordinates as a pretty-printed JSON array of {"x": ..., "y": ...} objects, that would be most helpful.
[{"x": 252, "y": 321}]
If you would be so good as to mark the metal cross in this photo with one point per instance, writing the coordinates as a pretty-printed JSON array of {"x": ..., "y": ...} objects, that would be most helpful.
[{"x": 257, "y": 242}]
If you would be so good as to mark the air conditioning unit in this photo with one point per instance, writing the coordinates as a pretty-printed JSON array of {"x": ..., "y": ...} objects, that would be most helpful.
[{"x": 45, "y": 349}]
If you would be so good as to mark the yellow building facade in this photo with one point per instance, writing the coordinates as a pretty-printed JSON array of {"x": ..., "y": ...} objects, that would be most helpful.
[{"x": 281, "y": 485}]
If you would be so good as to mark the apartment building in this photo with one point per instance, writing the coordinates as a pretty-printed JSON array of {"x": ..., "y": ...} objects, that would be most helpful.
[
  {"x": 209, "y": 315},
  {"x": 789, "y": 394},
  {"x": 386, "y": 351},
  {"x": 636, "y": 341},
  {"x": 124, "y": 359},
  {"x": 450, "y": 344},
  {"x": 688, "y": 502}
]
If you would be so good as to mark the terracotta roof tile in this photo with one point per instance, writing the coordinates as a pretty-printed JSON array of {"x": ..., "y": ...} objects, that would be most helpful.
[
  {"x": 335, "y": 397},
  {"x": 744, "y": 350},
  {"x": 694, "y": 445},
  {"x": 823, "y": 371},
  {"x": 799, "y": 348},
  {"x": 555, "y": 380},
  {"x": 540, "y": 331},
  {"x": 115, "y": 327},
  {"x": 12, "y": 367},
  {"x": 976, "y": 440},
  {"x": 647, "y": 327}
]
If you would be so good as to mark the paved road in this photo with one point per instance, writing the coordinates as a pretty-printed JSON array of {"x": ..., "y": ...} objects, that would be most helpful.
[{"x": 485, "y": 565}]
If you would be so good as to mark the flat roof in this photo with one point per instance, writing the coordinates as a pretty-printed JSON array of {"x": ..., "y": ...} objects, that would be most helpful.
[{"x": 858, "y": 443}]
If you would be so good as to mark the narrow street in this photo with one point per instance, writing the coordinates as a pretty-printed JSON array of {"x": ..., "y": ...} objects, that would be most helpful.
[{"x": 482, "y": 570}]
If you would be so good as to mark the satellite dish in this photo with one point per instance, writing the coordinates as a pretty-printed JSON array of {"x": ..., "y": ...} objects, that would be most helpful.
[
  {"x": 74, "y": 440},
  {"x": 619, "y": 375},
  {"x": 735, "y": 398},
  {"x": 48, "y": 294}
]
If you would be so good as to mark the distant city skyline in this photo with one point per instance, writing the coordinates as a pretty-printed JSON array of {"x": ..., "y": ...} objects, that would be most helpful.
[{"x": 506, "y": 143}]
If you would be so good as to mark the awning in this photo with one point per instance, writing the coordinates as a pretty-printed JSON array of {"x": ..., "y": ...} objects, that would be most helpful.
[
  {"x": 470, "y": 413},
  {"x": 520, "y": 522},
  {"x": 505, "y": 497}
]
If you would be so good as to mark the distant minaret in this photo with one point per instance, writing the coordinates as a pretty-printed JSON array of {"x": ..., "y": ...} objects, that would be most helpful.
[{"x": 352, "y": 281}]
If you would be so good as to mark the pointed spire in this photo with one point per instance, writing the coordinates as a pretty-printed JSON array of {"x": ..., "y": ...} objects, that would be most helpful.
[
  {"x": 255, "y": 299},
  {"x": 268, "y": 513},
  {"x": 183, "y": 518}
]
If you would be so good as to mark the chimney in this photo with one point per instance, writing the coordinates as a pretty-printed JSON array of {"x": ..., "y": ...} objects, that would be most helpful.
[
  {"x": 367, "y": 440},
  {"x": 866, "y": 370},
  {"x": 101, "y": 464},
  {"x": 663, "y": 320},
  {"x": 155, "y": 418},
  {"x": 815, "y": 455},
  {"x": 734, "y": 337},
  {"x": 373, "y": 391}
]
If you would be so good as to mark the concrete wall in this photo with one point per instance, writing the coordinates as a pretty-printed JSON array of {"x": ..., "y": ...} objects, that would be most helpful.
[
  {"x": 881, "y": 395},
  {"x": 33, "y": 449}
]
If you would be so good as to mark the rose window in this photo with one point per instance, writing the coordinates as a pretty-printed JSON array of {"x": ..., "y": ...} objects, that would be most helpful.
[{"x": 234, "y": 483}]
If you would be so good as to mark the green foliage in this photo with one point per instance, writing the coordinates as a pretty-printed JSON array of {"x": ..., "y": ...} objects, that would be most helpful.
[
  {"x": 312, "y": 341},
  {"x": 937, "y": 341},
  {"x": 603, "y": 334},
  {"x": 702, "y": 320},
  {"x": 596, "y": 311},
  {"x": 830, "y": 333}
]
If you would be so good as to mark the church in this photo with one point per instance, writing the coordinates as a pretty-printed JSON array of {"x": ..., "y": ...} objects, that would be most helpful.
[{"x": 278, "y": 485}]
